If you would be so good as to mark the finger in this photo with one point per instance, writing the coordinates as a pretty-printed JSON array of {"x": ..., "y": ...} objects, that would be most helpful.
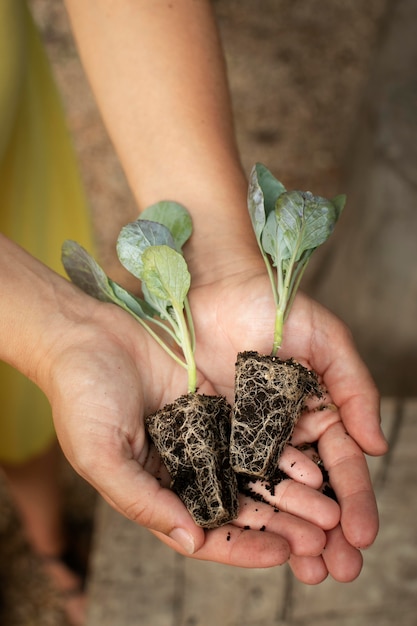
[
  {"x": 343, "y": 561},
  {"x": 349, "y": 383},
  {"x": 300, "y": 467},
  {"x": 303, "y": 537},
  {"x": 349, "y": 477},
  {"x": 309, "y": 570},
  {"x": 315, "y": 421},
  {"x": 136, "y": 494},
  {"x": 362, "y": 418},
  {"x": 299, "y": 500},
  {"x": 240, "y": 547}
]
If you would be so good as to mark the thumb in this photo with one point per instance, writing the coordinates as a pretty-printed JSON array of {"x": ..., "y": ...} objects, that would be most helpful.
[{"x": 140, "y": 497}]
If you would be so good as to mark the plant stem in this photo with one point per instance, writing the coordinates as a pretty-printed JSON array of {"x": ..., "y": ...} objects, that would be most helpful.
[
  {"x": 271, "y": 277},
  {"x": 154, "y": 335},
  {"x": 187, "y": 348},
  {"x": 278, "y": 331},
  {"x": 190, "y": 323}
]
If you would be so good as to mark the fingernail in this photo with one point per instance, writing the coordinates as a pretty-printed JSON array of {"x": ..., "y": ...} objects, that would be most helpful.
[{"x": 184, "y": 539}]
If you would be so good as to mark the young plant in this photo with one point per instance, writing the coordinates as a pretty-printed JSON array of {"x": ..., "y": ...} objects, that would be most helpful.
[
  {"x": 151, "y": 249},
  {"x": 191, "y": 434},
  {"x": 270, "y": 393},
  {"x": 289, "y": 226}
]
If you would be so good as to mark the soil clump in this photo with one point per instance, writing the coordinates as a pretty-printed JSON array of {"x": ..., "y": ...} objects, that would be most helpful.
[
  {"x": 192, "y": 436},
  {"x": 270, "y": 395}
]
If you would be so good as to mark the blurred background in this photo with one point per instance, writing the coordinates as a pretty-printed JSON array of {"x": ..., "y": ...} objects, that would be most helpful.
[{"x": 325, "y": 95}]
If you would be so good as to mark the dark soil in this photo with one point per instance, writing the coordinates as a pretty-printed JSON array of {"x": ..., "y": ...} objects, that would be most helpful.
[
  {"x": 192, "y": 436},
  {"x": 270, "y": 395}
]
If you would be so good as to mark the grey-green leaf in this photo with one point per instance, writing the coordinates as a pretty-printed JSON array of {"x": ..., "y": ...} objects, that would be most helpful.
[
  {"x": 273, "y": 242},
  {"x": 161, "y": 305},
  {"x": 135, "y": 238},
  {"x": 339, "y": 203},
  {"x": 271, "y": 187},
  {"x": 85, "y": 272},
  {"x": 141, "y": 308},
  {"x": 256, "y": 205},
  {"x": 306, "y": 221},
  {"x": 166, "y": 275},
  {"x": 174, "y": 216}
]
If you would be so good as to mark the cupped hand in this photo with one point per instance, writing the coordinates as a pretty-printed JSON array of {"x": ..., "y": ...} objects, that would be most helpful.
[
  {"x": 235, "y": 314},
  {"x": 105, "y": 374}
]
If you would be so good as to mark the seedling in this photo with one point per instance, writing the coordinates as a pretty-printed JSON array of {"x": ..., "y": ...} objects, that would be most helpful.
[
  {"x": 150, "y": 250},
  {"x": 270, "y": 393},
  {"x": 289, "y": 226},
  {"x": 191, "y": 434}
]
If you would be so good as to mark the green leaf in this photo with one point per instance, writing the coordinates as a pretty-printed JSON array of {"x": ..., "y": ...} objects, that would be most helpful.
[
  {"x": 174, "y": 216},
  {"x": 85, "y": 272},
  {"x": 271, "y": 187},
  {"x": 166, "y": 275},
  {"x": 263, "y": 192},
  {"x": 135, "y": 238},
  {"x": 306, "y": 221},
  {"x": 339, "y": 203},
  {"x": 256, "y": 205},
  {"x": 133, "y": 303},
  {"x": 273, "y": 242}
]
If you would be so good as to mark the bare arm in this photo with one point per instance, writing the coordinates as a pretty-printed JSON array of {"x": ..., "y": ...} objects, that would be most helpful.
[{"x": 159, "y": 77}]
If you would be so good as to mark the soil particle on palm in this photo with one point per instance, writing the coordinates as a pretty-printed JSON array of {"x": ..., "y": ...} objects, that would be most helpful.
[
  {"x": 192, "y": 436},
  {"x": 270, "y": 395}
]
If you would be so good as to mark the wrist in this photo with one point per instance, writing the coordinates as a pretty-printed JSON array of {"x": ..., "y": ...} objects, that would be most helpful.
[
  {"x": 37, "y": 309},
  {"x": 222, "y": 240}
]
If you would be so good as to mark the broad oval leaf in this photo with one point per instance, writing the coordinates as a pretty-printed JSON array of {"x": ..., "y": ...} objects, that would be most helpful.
[
  {"x": 172, "y": 215},
  {"x": 306, "y": 221},
  {"x": 166, "y": 275},
  {"x": 85, "y": 272},
  {"x": 135, "y": 238}
]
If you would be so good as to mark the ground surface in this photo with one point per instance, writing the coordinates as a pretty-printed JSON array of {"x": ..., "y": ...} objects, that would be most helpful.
[{"x": 300, "y": 74}]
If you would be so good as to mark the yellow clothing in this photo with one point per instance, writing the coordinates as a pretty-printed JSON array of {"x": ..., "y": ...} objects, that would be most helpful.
[{"x": 41, "y": 202}]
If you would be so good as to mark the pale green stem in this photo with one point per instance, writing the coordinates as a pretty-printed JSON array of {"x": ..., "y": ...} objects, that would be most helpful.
[
  {"x": 294, "y": 288},
  {"x": 155, "y": 336},
  {"x": 187, "y": 348},
  {"x": 190, "y": 323},
  {"x": 282, "y": 307},
  {"x": 278, "y": 331},
  {"x": 271, "y": 277},
  {"x": 161, "y": 324}
]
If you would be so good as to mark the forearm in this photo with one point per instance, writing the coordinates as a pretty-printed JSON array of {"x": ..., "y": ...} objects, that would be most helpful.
[
  {"x": 37, "y": 307},
  {"x": 158, "y": 74}
]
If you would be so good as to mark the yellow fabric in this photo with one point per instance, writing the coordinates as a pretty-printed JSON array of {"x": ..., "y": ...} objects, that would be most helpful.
[{"x": 41, "y": 202}]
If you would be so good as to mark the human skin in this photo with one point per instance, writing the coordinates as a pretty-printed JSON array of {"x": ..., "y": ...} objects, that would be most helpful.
[
  {"x": 158, "y": 75},
  {"x": 102, "y": 373}
]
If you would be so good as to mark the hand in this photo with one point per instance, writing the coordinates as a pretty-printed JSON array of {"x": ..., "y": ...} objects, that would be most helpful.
[
  {"x": 237, "y": 314},
  {"x": 103, "y": 374}
]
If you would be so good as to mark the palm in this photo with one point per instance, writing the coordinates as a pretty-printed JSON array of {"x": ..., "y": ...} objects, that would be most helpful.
[
  {"x": 99, "y": 398},
  {"x": 238, "y": 314}
]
